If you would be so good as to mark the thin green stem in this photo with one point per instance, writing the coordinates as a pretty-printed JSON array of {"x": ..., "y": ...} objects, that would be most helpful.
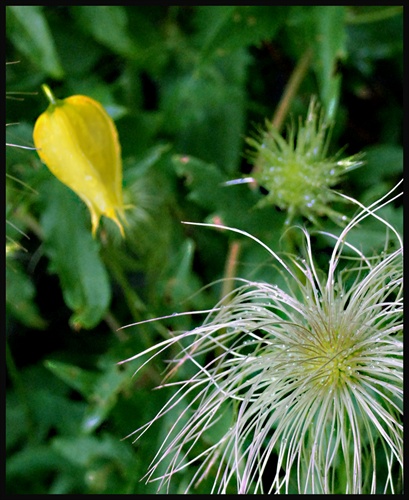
[
  {"x": 290, "y": 91},
  {"x": 115, "y": 326},
  {"x": 47, "y": 91},
  {"x": 31, "y": 222},
  {"x": 134, "y": 303}
]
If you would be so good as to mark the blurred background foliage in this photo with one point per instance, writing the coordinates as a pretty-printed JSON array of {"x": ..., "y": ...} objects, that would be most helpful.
[{"x": 185, "y": 86}]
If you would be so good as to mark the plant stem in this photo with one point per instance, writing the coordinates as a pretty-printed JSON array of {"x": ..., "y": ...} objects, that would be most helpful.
[
  {"x": 230, "y": 267},
  {"x": 278, "y": 119},
  {"x": 291, "y": 89},
  {"x": 115, "y": 326},
  {"x": 134, "y": 303},
  {"x": 47, "y": 91}
]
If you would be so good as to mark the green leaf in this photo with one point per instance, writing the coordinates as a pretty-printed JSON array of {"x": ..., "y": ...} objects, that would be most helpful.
[
  {"x": 100, "y": 389},
  {"x": 108, "y": 25},
  {"x": 15, "y": 412},
  {"x": 75, "y": 377},
  {"x": 140, "y": 166},
  {"x": 74, "y": 255},
  {"x": 20, "y": 293},
  {"x": 28, "y": 29},
  {"x": 369, "y": 42},
  {"x": 223, "y": 29},
  {"x": 105, "y": 395},
  {"x": 233, "y": 204},
  {"x": 322, "y": 29},
  {"x": 79, "y": 450},
  {"x": 33, "y": 460},
  {"x": 207, "y": 105},
  {"x": 108, "y": 463},
  {"x": 204, "y": 181},
  {"x": 358, "y": 14},
  {"x": 382, "y": 162},
  {"x": 330, "y": 48},
  {"x": 179, "y": 282},
  {"x": 70, "y": 41}
]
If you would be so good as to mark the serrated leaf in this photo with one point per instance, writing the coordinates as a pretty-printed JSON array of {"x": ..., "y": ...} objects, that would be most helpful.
[
  {"x": 204, "y": 181},
  {"x": 74, "y": 255},
  {"x": 28, "y": 29},
  {"x": 234, "y": 204},
  {"x": 226, "y": 28}
]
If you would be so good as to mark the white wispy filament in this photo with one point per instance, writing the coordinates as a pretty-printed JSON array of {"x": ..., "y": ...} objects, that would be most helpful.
[{"x": 310, "y": 379}]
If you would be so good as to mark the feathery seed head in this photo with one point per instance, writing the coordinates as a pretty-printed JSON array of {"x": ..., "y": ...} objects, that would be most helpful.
[{"x": 309, "y": 380}]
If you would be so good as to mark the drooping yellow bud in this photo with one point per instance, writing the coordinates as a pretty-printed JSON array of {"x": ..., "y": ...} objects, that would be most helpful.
[{"x": 78, "y": 141}]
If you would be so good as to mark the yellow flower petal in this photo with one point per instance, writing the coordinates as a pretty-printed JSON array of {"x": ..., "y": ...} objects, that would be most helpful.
[{"x": 78, "y": 141}]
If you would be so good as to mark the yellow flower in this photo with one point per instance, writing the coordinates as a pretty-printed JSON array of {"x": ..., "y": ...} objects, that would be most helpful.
[{"x": 78, "y": 141}]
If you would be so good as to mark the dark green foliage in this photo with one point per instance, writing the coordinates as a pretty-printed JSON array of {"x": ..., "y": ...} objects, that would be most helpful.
[{"x": 185, "y": 86}]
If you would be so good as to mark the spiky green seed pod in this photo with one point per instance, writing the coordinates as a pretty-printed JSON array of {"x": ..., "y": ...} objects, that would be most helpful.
[{"x": 296, "y": 172}]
